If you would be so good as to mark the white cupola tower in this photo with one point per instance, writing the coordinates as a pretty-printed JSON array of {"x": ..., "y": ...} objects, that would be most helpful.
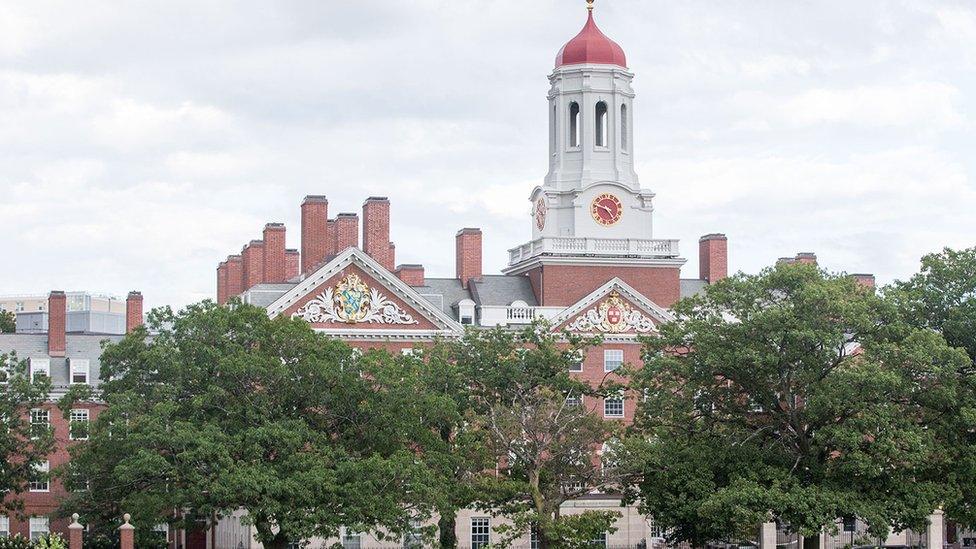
[{"x": 591, "y": 202}]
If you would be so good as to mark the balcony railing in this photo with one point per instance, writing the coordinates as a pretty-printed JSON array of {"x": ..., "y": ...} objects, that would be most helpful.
[
  {"x": 503, "y": 316},
  {"x": 561, "y": 245}
]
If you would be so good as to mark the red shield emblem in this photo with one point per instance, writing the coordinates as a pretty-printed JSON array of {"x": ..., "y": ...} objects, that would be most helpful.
[{"x": 614, "y": 315}]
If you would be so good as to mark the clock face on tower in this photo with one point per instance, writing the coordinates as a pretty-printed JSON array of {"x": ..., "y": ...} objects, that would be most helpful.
[
  {"x": 606, "y": 209},
  {"x": 540, "y": 213}
]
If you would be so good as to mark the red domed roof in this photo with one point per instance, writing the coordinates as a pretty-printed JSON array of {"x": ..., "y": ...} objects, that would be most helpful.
[{"x": 591, "y": 46}]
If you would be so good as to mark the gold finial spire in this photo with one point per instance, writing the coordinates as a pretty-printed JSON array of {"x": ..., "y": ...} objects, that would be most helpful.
[{"x": 589, "y": 4}]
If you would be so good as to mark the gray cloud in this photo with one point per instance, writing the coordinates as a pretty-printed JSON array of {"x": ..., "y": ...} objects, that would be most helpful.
[{"x": 141, "y": 142}]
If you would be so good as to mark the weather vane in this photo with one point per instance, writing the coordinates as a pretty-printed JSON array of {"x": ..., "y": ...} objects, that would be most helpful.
[{"x": 589, "y": 4}]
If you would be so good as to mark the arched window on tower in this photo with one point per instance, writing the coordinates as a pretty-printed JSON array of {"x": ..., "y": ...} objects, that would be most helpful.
[
  {"x": 624, "y": 138},
  {"x": 552, "y": 131},
  {"x": 574, "y": 124},
  {"x": 601, "y": 124}
]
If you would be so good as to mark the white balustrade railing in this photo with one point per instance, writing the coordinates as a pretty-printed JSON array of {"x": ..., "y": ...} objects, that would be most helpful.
[
  {"x": 502, "y": 315},
  {"x": 559, "y": 245}
]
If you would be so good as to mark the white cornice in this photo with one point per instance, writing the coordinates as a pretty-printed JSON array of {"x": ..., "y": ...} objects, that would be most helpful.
[{"x": 619, "y": 261}]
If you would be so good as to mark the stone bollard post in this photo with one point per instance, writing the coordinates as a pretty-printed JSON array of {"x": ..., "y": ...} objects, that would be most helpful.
[
  {"x": 936, "y": 536},
  {"x": 127, "y": 533},
  {"x": 767, "y": 535},
  {"x": 75, "y": 533}
]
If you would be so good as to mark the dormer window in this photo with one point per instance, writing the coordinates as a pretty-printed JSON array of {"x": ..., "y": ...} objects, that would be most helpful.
[
  {"x": 40, "y": 367},
  {"x": 79, "y": 371},
  {"x": 466, "y": 312},
  {"x": 601, "y": 124}
]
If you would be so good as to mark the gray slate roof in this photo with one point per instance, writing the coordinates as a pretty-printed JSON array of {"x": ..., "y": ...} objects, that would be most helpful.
[
  {"x": 443, "y": 293},
  {"x": 692, "y": 286},
  {"x": 78, "y": 346},
  {"x": 263, "y": 295},
  {"x": 494, "y": 290}
]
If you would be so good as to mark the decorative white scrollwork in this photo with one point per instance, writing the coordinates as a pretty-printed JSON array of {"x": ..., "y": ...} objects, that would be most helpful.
[
  {"x": 353, "y": 302},
  {"x": 613, "y": 316}
]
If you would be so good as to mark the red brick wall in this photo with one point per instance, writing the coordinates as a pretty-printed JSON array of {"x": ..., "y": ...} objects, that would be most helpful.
[
  {"x": 713, "y": 257},
  {"x": 593, "y": 373},
  {"x": 252, "y": 271},
  {"x": 347, "y": 232},
  {"x": 564, "y": 285},
  {"x": 468, "y": 261},
  {"x": 333, "y": 240},
  {"x": 316, "y": 240},
  {"x": 57, "y": 310},
  {"x": 376, "y": 230},
  {"x": 412, "y": 275},
  {"x": 235, "y": 265},
  {"x": 133, "y": 311},
  {"x": 293, "y": 263},
  {"x": 46, "y": 503},
  {"x": 274, "y": 253}
]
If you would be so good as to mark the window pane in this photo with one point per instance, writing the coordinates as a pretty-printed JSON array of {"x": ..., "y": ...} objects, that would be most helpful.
[
  {"x": 612, "y": 359},
  {"x": 480, "y": 532}
]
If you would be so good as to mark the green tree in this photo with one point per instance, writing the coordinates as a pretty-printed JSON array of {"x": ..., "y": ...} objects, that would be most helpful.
[
  {"x": 8, "y": 322},
  {"x": 942, "y": 297},
  {"x": 546, "y": 446},
  {"x": 225, "y": 409},
  {"x": 23, "y": 446},
  {"x": 792, "y": 395}
]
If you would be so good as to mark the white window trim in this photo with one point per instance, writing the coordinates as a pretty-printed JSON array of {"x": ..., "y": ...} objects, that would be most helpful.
[
  {"x": 40, "y": 365},
  {"x": 576, "y": 366},
  {"x": 606, "y": 355},
  {"x": 86, "y": 419},
  {"x": 44, "y": 526},
  {"x": 4, "y": 526},
  {"x": 43, "y": 467},
  {"x": 623, "y": 405},
  {"x": 79, "y": 365},
  {"x": 47, "y": 421},
  {"x": 487, "y": 520}
]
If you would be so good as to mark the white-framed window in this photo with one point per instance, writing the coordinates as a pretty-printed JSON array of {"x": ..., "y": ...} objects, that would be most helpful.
[
  {"x": 4, "y": 526},
  {"x": 414, "y": 538},
  {"x": 480, "y": 532},
  {"x": 613, "y": 406},
  {"x": 78, "y": 425},
  {"x": 612, "y": 359},
  {"x": 466, "y": 312},
  {"x": 600, "y": 541},
  {"x": 40, "y": 366},
  {"x": 576, "y": 361},
  {"x": 79, "y": 371},
  {"x": 42, "y": 483},
  {"x": 39, "y": 527},
  {"x": 40, "y": 420},
  {"x": 162, "y": 531},
  {"x": 573, "y": 401}
]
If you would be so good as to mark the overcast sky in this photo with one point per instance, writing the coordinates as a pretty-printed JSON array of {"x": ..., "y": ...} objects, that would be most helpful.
[{"x": 142, "y": 142}]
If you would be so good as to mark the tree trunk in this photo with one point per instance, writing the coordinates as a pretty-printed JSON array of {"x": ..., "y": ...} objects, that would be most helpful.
[{"x": 447, "y": 529}]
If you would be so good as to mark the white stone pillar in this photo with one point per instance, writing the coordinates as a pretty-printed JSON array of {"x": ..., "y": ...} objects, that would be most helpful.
[
  {"x": 767, "y": 536},
  {"x": 936, "y": 534}
]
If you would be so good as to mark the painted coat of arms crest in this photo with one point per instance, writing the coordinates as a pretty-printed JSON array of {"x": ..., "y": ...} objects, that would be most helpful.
[
  {"x": 613, "y": 316},
  {"x": 351, "y": 301}
]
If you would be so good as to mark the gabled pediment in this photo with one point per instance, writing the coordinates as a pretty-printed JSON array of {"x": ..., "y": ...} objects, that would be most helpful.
[
  {"x": 354, "y": 296},
  {"x": 614, "y": 309}
]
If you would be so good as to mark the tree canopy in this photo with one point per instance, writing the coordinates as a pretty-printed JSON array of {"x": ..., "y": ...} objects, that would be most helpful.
[
  {"x": 8, "y": 322},
  {"x": 225, "y": 409},
  {"x": 792, "y": 395}
]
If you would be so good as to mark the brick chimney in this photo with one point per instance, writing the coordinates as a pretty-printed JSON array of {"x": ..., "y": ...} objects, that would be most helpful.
[
  {"x": 133, "y": 311},
  {"x": 347, "y": 231},
  {"x": 468, "y": 255},
  {"x": 252, "y": 271},
  {"x": 316, "y": 238},
  {"x": 392, "y": 253},
  {"x": 411, "y": 275},
  {"x": 866, "y": 280},
  {"x": 376, "y": 230},
  {"x": 57, "y": 311},
  {"x": 235, "y": 265},
  {"x": 713, "y": 257},
  {"x": 274, "y": 253},
  {"x": 293, "y": 263},
  {"x": 333, "y": 240},
  {"x": 806, "y": 257},
  {"x": 222, "y": 282}
]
